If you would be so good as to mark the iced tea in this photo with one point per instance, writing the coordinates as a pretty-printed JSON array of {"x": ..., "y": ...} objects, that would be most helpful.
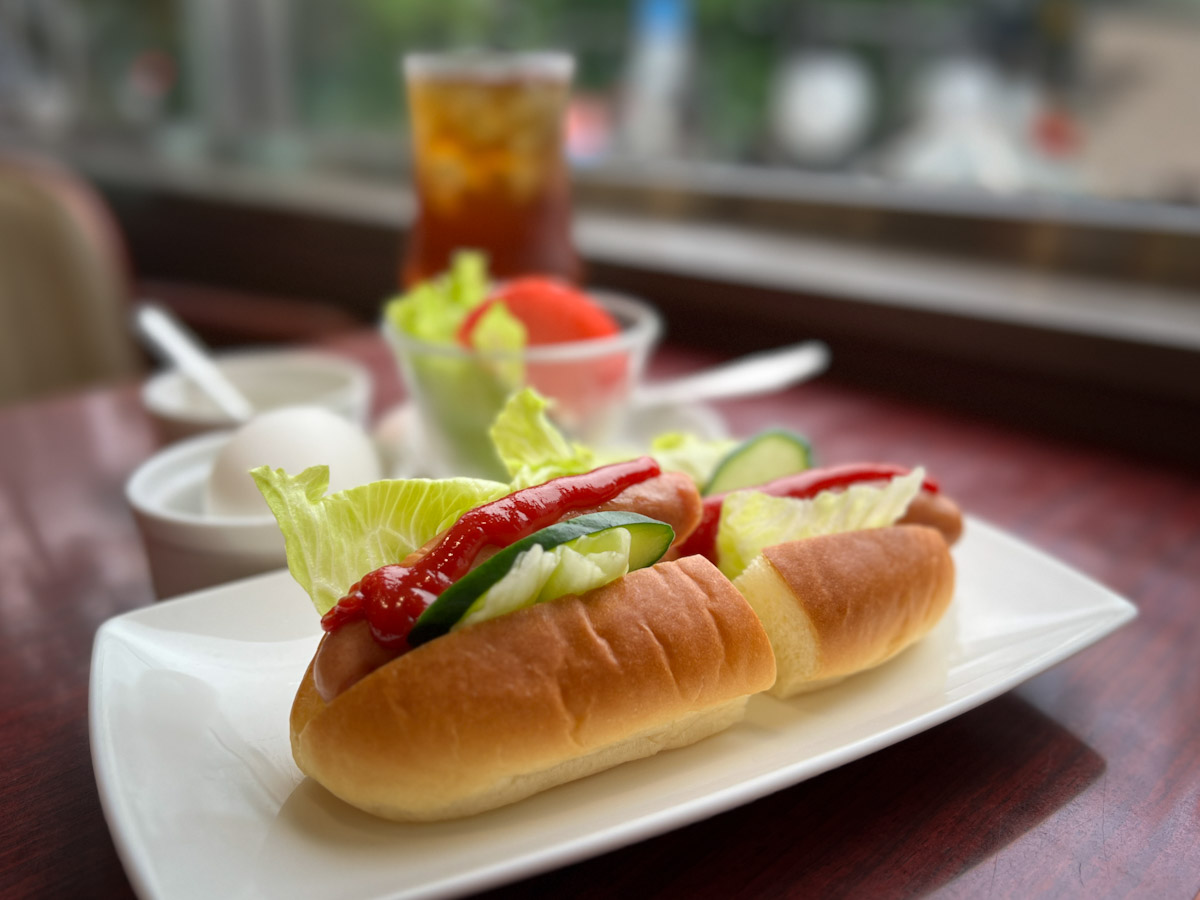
[{"x": 488, "y": 163}]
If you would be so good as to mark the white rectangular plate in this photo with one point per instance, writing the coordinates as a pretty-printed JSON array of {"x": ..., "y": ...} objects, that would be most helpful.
[{"x": 190, "y": 698}]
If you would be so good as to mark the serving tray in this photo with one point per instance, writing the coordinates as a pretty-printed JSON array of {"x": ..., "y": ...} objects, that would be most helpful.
[{"x": 188, "y": 716}]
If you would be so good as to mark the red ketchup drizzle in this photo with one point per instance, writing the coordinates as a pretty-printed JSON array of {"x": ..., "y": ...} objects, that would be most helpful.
[
  {"x": 393, "y": 596},
  {"x": 803, "y": 486}
]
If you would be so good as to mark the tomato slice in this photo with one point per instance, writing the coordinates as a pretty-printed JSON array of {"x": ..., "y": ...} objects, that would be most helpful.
[{"x": 551, "y": 311}]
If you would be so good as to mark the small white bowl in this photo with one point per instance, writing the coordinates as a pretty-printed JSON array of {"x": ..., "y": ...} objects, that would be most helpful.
[
  {"x": 188, "y": 549},
  {"x": 269, "y": 379}
]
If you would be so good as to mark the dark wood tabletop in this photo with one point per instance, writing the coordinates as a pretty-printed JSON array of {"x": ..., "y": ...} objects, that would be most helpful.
[{"x": 1082, "y": 782}]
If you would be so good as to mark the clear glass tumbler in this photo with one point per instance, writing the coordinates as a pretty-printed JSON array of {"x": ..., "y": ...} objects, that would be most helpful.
[{"x": 489, "y": 165}]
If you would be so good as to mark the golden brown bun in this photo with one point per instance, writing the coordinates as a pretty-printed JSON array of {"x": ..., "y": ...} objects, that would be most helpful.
[
  {"x": 497, "y": 711},
  {"x": 842, "y": 603},
  {"x": 937, "y": 511}
]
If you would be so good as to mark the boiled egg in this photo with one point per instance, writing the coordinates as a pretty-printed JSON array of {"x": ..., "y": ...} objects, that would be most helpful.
[{"x": 291, "y": 438}]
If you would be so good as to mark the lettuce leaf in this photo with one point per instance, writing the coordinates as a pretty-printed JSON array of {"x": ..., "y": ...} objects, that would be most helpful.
[
  {"x": 534, "y": 450},
  {"x": 433, "y": 310},
  {"x": 531, "y": 447},
  {"x": 332, "y": 541},
  {"x": 751, "y": 521},
  {"x": 502, "y": 334},
  {"x": 539, "y": 575},
  {"x": 696, "y": 457}
]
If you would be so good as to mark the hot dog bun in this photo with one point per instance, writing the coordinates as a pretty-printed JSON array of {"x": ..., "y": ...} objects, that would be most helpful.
[
  {"x": 496, "y": 711},
  {"x": 838, "y": 604}
]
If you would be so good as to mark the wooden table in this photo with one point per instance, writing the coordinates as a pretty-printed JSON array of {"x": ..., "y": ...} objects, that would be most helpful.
[{"x": 1084, "y": 782}]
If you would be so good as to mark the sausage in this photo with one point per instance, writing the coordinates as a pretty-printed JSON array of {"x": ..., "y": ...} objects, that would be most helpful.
[
  {"x": 936, "y": 511},
  {"x": 670, "y": 497},
  {"x": 346, "y": 656}
]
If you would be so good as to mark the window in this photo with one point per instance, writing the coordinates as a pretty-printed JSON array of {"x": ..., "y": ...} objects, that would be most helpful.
[
  {"x": 967, "y": 128},
  {"x": 994, "y": 98}
]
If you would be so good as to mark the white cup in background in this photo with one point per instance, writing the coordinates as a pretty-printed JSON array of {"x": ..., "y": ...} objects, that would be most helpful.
[
  {"x": 187, "y": 548},
  {"x": 269, "y": 379}
]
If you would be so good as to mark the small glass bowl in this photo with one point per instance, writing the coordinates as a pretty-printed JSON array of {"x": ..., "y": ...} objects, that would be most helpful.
[{"x": 457, "y": 391}]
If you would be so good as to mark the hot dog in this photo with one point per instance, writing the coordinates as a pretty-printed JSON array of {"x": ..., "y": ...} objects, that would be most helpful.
[
  {"x": 351, "y": 653},
  {"x": 495, "y": 710},
  {"x": 837, "y": 604},
  {"x": 499, "y": 709},
  {"x": 502, "y": 709}
]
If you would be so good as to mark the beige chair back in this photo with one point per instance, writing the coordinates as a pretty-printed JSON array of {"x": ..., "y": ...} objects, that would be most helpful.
[{"x": 64, "y": 285}]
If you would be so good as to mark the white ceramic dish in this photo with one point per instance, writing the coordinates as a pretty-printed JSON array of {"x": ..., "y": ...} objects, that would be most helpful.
[
  {"x": 269, "y": 379},
  {"x": 186, "y": 548},
  {"x": 188, "y": 715}
]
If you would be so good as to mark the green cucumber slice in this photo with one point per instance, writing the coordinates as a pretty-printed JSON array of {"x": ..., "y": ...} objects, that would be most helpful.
[
  {"x": 757, "y": 460},
  {"x": 648, "y": 540}
]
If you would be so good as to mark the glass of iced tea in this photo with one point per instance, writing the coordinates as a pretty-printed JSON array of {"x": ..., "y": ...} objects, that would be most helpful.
[{"x": 489, "y": 164}]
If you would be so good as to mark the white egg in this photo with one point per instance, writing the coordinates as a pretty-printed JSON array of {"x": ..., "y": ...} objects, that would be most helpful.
[{"x": 292, "y": 438}]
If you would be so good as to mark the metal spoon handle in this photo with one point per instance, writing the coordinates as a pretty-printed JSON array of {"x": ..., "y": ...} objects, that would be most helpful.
[
  {"x": 174, "y": 343},
  {"x": 758, "y": 373}
]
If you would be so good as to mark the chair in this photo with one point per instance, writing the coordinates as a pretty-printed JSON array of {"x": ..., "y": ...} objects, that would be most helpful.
[{"x": 64, "y": 284}]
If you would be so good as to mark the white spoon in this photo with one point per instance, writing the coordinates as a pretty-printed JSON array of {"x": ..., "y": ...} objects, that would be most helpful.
[
  {"x": 758, "y": 373},
  {"x": 171, "y": 340}
]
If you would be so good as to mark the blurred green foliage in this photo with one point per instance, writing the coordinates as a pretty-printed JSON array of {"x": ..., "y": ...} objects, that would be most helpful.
[
  {"x": 119, "y": 32},
  {"x": 345, "y": 54},
  {"x": 349, "y": 52}
]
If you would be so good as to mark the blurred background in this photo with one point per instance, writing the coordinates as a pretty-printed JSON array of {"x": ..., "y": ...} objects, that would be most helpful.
[
  {"x": 997, "y": 97},
  {"x": 936, "y": 180}
]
